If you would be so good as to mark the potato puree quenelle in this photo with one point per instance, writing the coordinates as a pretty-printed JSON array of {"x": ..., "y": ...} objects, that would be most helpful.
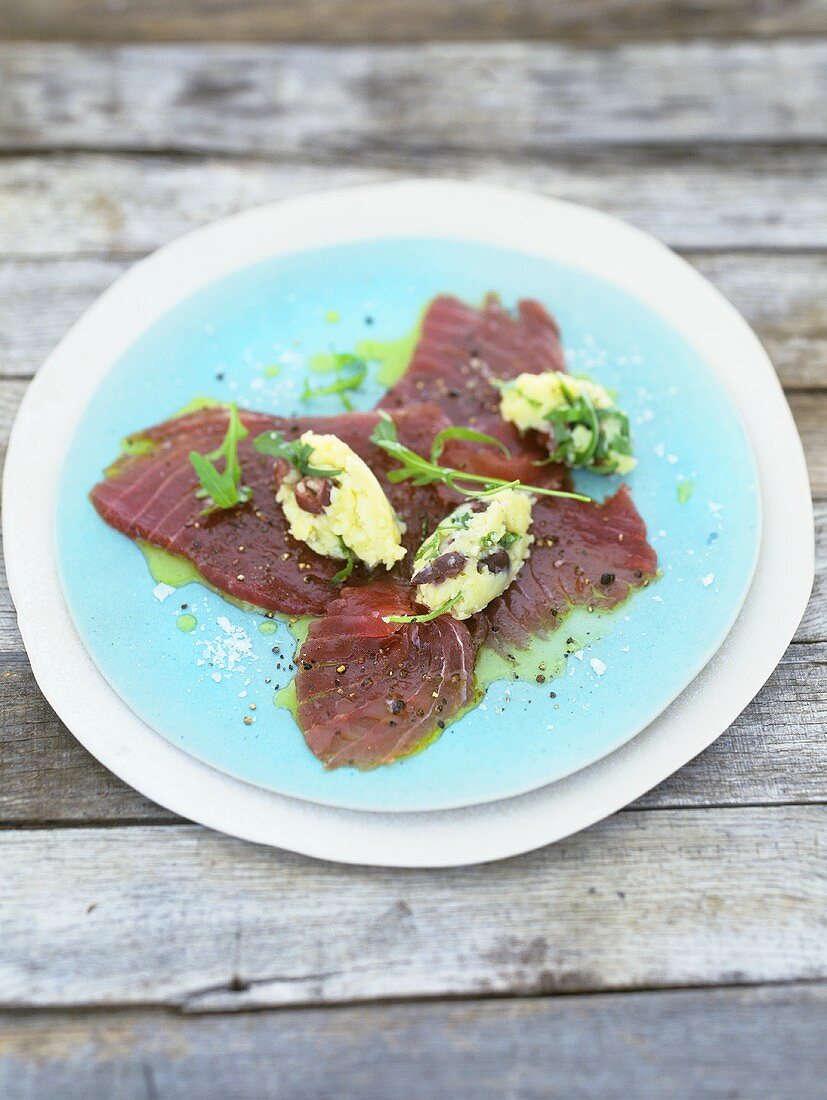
[
  {"x": 345, "y": 513},
  {"x": 474, "y": 554}
]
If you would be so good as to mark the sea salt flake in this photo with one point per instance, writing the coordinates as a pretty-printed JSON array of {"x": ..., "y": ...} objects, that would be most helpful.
[
  {"x": 161, "y": 591},
  {"x": 578, "y": 655},
  {"x": 707, "y": 580},
  {"x": 230, "y": 650},
  {"x": 217, "y": 677},
  {"x": 597, "y": 665}
]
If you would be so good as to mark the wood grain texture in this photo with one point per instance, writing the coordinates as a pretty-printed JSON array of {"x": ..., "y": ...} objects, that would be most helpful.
[
  {"x": 62, "y": 205},
  {"x": 593, "y": 22},
  {"x": 784, "y": 297},
  {"x": 641, "y": 900},
  {"x": 760, "y": 1044},
  {"x": 510, "y": 98}
]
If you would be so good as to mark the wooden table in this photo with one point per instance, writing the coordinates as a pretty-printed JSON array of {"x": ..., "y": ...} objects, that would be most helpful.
[{"x": 677, "y": 949}]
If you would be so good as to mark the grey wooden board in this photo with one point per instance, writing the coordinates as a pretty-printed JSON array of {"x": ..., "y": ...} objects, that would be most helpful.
[
  {"x": 642, "y": 900},
  {"x": 784, "y": 297},
  {"x": 587, "y": 21},
  {"x": 504, "y": 97},
  {"x": 718, "y": 198},
  {"x": 714, "y": 877},
  {"x": 761, "y": 1044}
]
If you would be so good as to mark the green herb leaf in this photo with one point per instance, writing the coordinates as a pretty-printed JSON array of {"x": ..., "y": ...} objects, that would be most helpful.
[
  {"x": 441, "y": 438},
  {"x": 587, "y": 436},
  {"x": 353, "y": 370},
  {"x": 420, "y": 471},
  {"x": 347, "y": 568},
  {"x": 223, "y": 488},
  {"x": 298, "y": 454},
  {"x": 426, "y": 617}
]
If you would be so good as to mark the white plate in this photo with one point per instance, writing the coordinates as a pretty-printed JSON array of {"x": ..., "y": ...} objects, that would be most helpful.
[{"x": 571, "y": 234}]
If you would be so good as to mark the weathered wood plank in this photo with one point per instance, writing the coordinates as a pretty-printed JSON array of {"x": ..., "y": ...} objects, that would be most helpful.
[
  {"x": 641, "y": 900},
  {"x": 761, "y": 1043},
  {"x": 509, "y": 97},
  {"x": 814, "y": 624},
  {"x": 783, "y": 296},
  {"x": 592, "y": 22},
  {"x": 810, "y": 412},
  {"x": 110, "y": 205},
  {"x": 47, "y": 775}
]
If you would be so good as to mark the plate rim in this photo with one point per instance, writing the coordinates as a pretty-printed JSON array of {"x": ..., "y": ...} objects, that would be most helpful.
[{"x": 424, "y": 194}]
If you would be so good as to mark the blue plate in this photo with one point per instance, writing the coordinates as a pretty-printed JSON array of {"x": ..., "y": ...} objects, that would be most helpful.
[{"x": 248, "y": 338}]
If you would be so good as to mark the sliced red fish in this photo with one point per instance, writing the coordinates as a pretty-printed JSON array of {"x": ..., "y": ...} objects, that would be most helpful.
[
  {"x": 370, "y": 692},
  {"x": 248, "y": 551},
  {"x": 461, "y": 352},
  {"x": 583, "y": 555}
]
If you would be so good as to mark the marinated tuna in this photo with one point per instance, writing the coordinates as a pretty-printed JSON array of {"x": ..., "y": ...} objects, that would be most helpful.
[
  {"x": 584, "y": 555},
  {"x": 371, "y": 691},
  {"x": 248, "y": 551}
]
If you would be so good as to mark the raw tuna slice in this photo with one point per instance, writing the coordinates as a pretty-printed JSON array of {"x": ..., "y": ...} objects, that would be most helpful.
[
  {"x": 460, "y": 351},
  {"x": 370, "y": 692},
  {"x": 248, "y": 551},
  {"x": 583, "y": 555}
]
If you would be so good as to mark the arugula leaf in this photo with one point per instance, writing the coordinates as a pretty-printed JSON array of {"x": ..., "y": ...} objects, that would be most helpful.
[
  {"x": 222, "y": 488},
  {"x": 357, "y": 372},
  {"x": 441, "y": 438},
  {"x": 420, "y": 471},
  {"x": 430, "y": 547},
  {"x": 425, "y": 617},
  {"x": 298, "y": 454},
  {"x": 585, "y": 435},
  {"x": 347, "y": 568}
]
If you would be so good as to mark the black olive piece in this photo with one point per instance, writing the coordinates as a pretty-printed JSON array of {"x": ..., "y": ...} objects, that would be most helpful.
[
  {"x": 496, "y": 562},
  {"x": 441, "y": 568},
  {"x": 313, "y": 494}
]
